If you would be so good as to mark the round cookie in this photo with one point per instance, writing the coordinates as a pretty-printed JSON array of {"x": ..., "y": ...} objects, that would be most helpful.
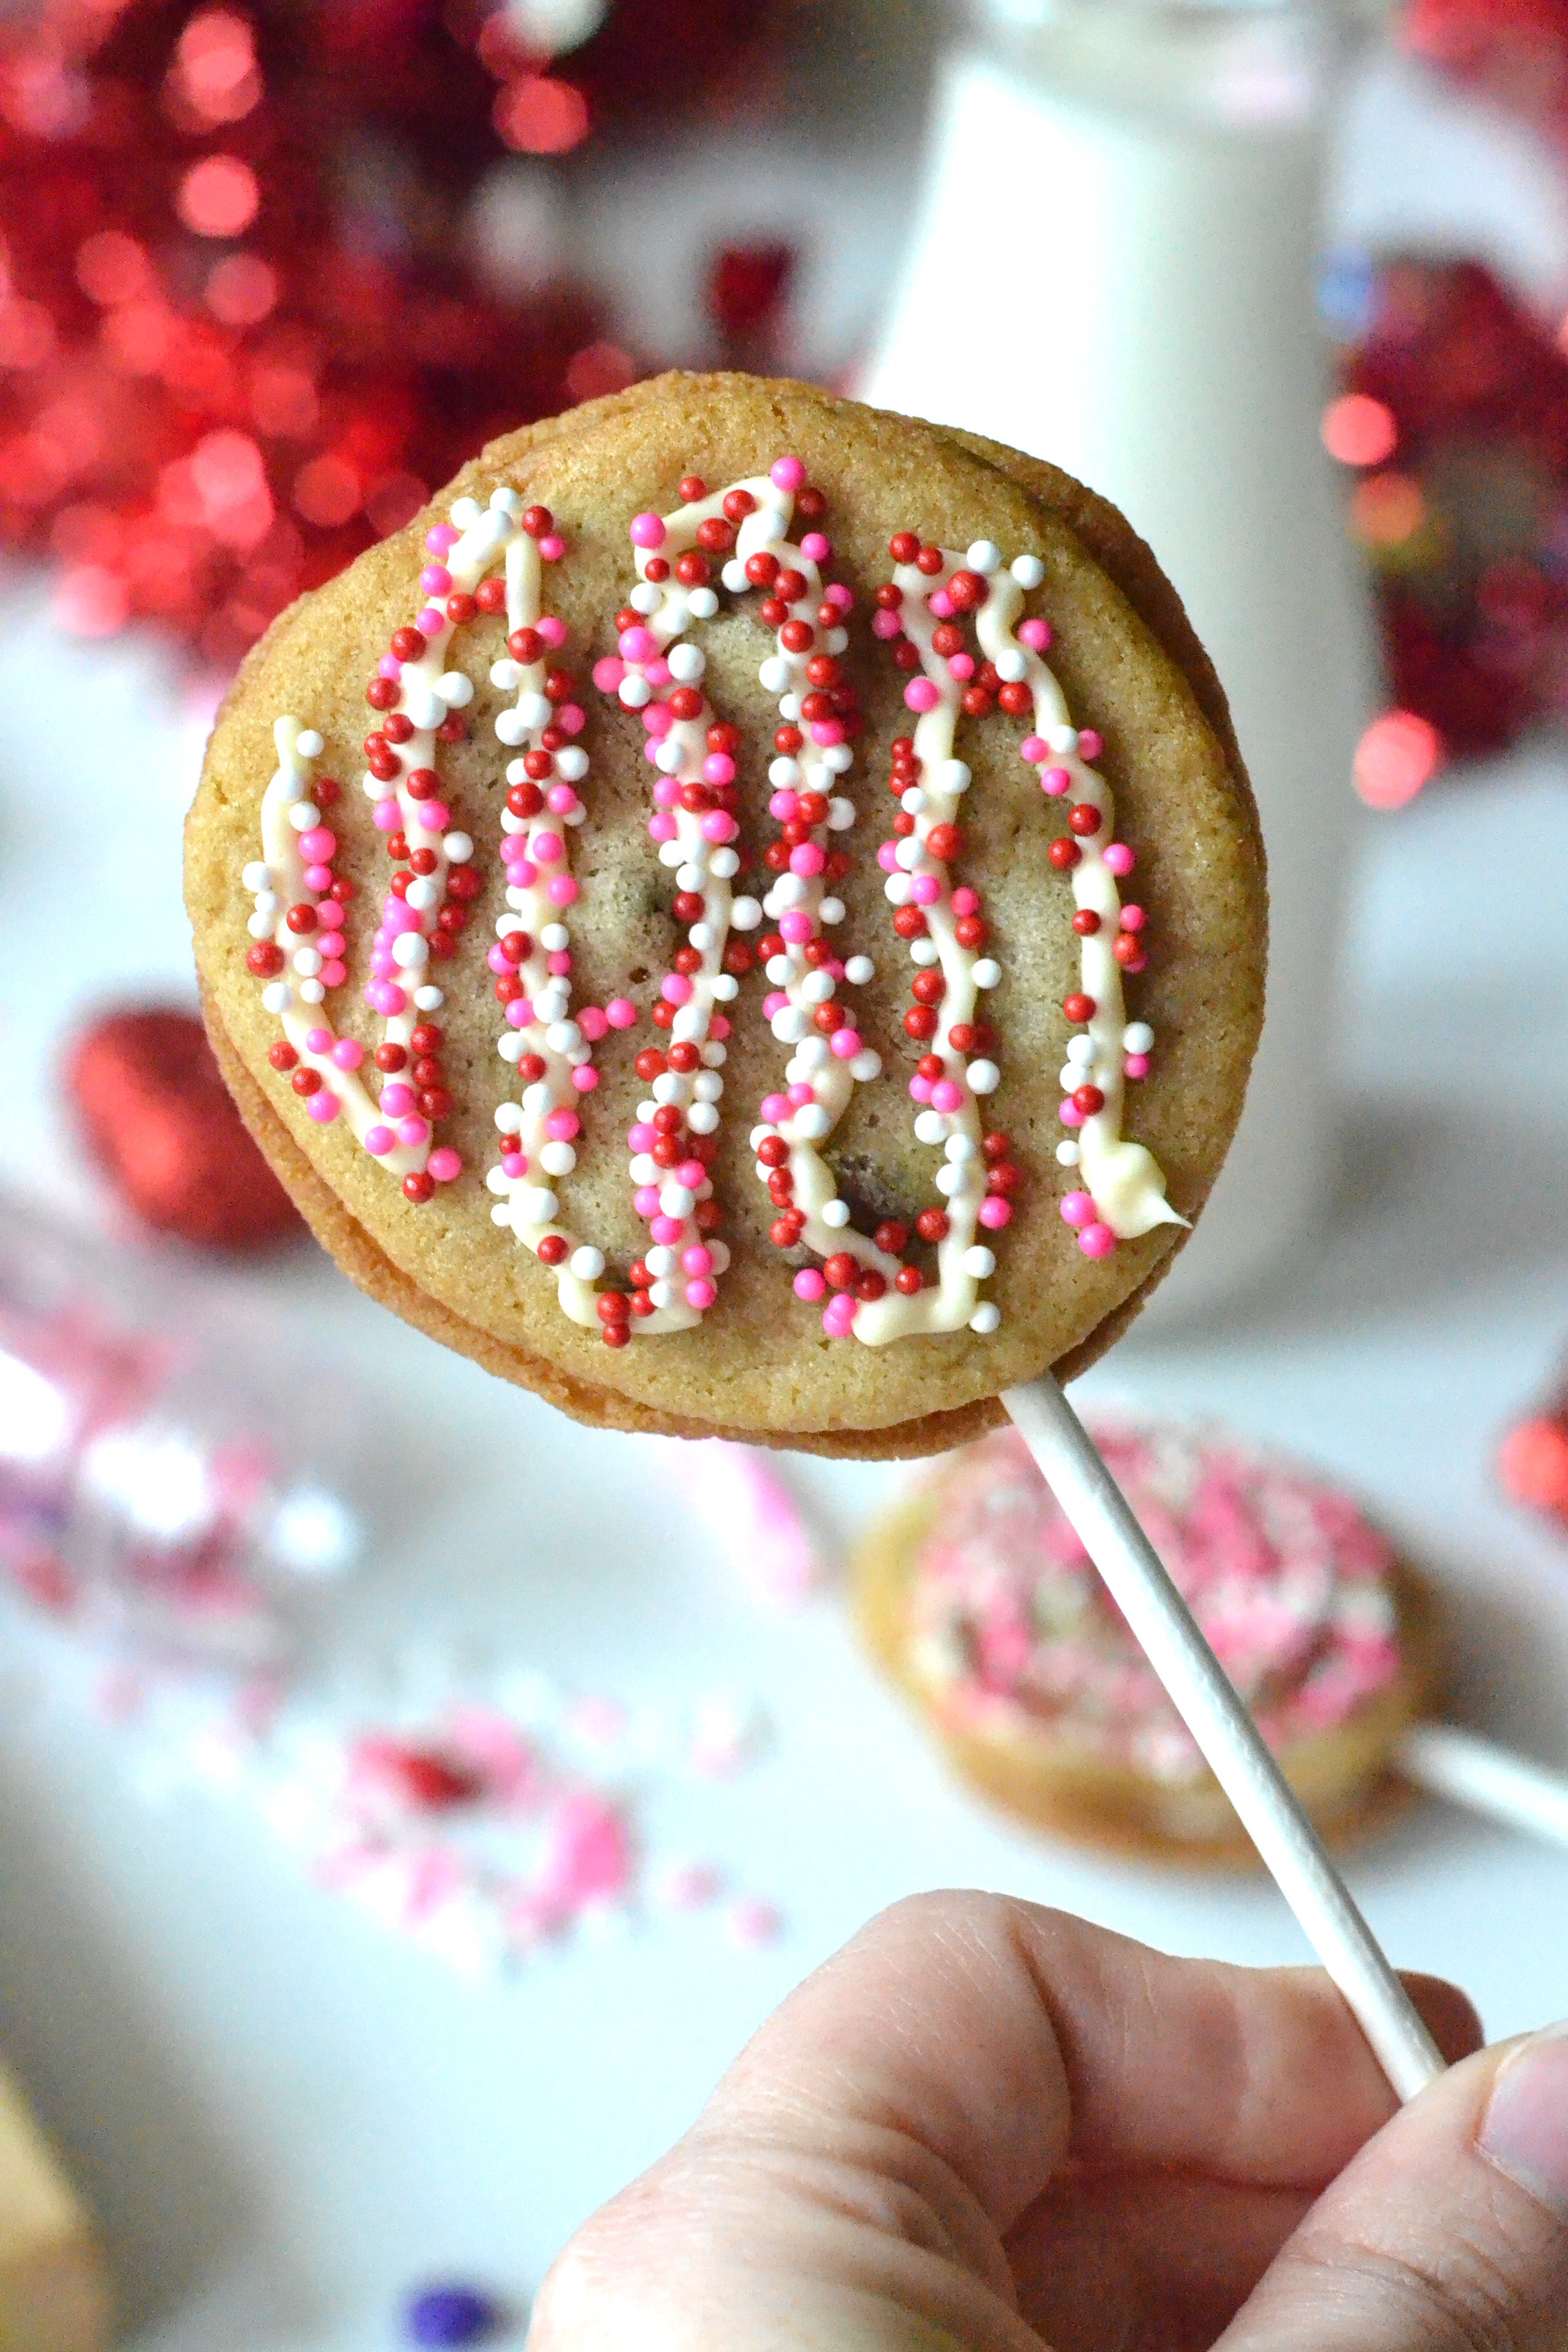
[
  {"x": 629, "y": 1120},
  {"x": 980, "y": 1601}
]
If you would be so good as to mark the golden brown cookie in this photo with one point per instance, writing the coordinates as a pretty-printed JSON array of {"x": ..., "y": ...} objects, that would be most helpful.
[
  {"x": 978, "y": 1600},
  {"x": 629, "y": 1120}
]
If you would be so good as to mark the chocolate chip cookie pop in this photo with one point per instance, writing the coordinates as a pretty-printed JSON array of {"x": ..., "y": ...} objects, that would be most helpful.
[
  {"x": 747, "y": 919},
  {"x": 658, "y": 1078}
]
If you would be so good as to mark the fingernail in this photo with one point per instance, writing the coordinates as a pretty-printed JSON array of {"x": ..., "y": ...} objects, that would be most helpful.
[{"x": 1526, "y": 2126}]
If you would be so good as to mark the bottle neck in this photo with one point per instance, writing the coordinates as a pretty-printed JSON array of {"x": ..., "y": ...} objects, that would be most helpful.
[{"x": 1237, "y": 65}]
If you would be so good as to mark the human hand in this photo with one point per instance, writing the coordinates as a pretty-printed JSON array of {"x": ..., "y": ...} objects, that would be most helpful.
[{"x": 988, "y": 2128}]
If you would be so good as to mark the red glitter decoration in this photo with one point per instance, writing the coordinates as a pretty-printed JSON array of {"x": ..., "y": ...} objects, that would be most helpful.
[
  {"x": 1515, "y": 51},
  {"x": 1455, "y": 418},
  {"x": 240, "y": 335},
  {"x": 152, "y": 1106},
  {"x": 1533, "y": 1462}
]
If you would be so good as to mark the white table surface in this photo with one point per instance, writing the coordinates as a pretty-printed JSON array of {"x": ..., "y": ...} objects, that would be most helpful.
[{"x": 283, "y": 2114}]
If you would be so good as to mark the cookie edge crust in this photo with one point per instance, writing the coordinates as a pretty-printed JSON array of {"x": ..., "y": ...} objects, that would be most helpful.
[{"x": 1130, "y": 564}]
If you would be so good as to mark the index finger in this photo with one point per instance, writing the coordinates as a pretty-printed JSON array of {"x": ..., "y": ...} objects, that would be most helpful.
[{"x": 1009, "y": 2040}]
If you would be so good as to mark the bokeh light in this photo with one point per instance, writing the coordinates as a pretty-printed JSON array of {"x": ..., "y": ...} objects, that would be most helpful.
[
  {"x": 1387, "y": 510},
  {"x": 541, "y": 116},
  {"x": 1360, "y": 431},
  {"x": 327, "y": 491},
  {"x": 242, "y": 289},
  {"x": 90, "y": 600},
  {"x": 219, "y": 196},
  {"x": 111, "y": 267},
  {"x": 214, "y": 69},
  {"x": 1398, "y": 754}
]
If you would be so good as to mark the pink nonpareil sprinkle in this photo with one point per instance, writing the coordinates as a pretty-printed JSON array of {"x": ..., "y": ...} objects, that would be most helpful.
[
  {"x": 692, "y": 1885},
  {"x": 597, "y": 1718},
  {"x": 754, "y": 1922},
  {"x": 755, "y": 1514}
]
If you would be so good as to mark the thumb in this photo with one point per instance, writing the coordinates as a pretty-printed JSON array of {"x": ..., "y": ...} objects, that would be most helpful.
[{"x": 1448, "y": 2233}]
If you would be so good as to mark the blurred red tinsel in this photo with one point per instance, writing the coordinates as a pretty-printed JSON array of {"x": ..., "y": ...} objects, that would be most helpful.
[
  {"x": 1454, "y": 416},
  {"x": 242, "y": 330}
]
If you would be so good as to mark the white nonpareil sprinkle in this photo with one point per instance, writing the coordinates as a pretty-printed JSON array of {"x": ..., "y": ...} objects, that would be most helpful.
[
  {"x": 984, "y": 1077},
  {"x": 986, "y": 1317},
  {"x": 835, "y": 1214},
  {"x": 979, "y": 1262},
  {"x": 1028, "y": 571},
  {"x": 588, "y": 1264},
  {"x": 1139, "y": 1038}
]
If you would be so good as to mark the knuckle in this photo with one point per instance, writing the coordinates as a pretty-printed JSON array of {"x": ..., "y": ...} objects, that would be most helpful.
[{"x": 1461, "y": 2295}]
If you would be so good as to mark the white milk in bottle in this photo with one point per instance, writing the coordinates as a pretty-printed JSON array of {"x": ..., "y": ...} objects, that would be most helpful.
[{"x": 1114, "y": 268}]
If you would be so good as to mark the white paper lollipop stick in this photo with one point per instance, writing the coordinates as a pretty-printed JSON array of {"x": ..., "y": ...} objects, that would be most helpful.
[
  {"x": 1476, "y": 1772},
  {"x": 1168, "y": 1633}
]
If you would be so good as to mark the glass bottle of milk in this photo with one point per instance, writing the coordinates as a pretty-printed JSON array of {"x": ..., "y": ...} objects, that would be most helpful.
[{"x": 1114, "y": 268}]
